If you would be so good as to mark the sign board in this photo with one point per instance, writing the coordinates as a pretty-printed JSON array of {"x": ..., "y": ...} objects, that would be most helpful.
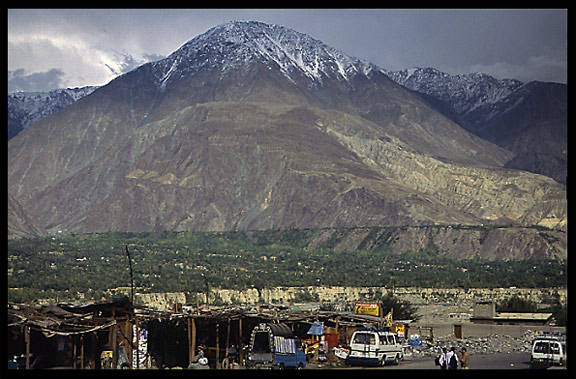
[
  {"x": 367, "y": 309},
  {"x": 140, "y": 355},
  {"x": 400, "y": 330},
  {"x": 414, "y": 343}
]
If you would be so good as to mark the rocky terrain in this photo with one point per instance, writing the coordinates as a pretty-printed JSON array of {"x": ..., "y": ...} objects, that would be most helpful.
[
  {"x": 462, "y": 300},
  {"x": 498, "y": 243},
  {"x": 253, "y": 126},
  {"x": 528, "y": 119},
  {"x": 490, "y": 344}
]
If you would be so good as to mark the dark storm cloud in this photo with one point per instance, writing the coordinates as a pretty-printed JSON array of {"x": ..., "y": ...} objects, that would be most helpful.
[{"x": 19, "y": 80}]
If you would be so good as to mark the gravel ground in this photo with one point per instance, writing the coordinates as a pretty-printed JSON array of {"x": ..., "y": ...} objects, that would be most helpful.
[{"x": 494, "y": 343}]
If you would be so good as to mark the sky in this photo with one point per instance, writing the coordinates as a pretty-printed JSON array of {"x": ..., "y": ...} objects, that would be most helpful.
[{"x": 60, "y": 48}]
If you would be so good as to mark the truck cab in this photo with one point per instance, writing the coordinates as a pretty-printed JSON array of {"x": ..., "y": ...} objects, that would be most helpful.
[
  {"x": 547, "y": 351},
  {"x": 275, "y": 346},
  {"x": 371, "y": 346}
]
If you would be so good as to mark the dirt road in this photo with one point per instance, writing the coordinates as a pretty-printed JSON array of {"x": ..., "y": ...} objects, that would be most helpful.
[{"x": 503, "y": 361}]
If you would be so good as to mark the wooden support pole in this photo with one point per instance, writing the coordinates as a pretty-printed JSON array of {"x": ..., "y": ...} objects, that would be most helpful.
[
  {"x": 227, "y": 345},
  {"x": 112, "y": 340},
  {"x": 128, "y": 340},
  {"x": 74, "y": 358},
  {"x": 217, "y": 346},
  {"x": 95, "y": 353},
  {"x": 240, "y": 341},
  {"x": 82, "y": 351},
  {"x": 381, "y": 315},
  {"x": 27, "y": 342},
  {"x": 191, "y": 339}
]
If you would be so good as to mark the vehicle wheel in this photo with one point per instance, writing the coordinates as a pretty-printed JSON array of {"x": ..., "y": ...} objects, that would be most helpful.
[
  {"x": 383, "y": 361},
  {"x": 396, "y": 360},
  {"x": 300, "y": 366},
  {"x": 281, "y": 366}
]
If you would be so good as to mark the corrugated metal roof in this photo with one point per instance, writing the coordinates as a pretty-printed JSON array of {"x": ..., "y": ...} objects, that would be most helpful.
[{"x": 522, "y": 316}]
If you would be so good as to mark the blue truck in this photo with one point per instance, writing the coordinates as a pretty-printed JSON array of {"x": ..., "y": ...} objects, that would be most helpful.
[{"x": 274, "y": 346}]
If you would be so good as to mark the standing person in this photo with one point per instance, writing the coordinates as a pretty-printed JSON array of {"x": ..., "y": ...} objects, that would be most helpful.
[
  {"x": 465, "y": 359},
  {"x": 443, "y": 361},
  {"x": 452, "y": 359}
]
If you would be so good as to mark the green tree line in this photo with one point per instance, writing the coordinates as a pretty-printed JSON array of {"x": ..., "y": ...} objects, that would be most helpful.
[{"x": 94, "y": 265}]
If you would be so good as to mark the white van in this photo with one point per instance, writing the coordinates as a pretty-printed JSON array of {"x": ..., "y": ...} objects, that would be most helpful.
[
  {"x": 373, "y": 346},
  {"x": 547, "y": 351}
]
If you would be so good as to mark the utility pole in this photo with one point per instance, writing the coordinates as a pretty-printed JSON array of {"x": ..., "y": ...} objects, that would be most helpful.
[
  {"x": 207, "y": 287},
  {"x": 131, "y": 276}
]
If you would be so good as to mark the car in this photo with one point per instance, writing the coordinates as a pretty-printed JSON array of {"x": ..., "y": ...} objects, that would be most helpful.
[
  {"x": 372, "y": 346},
  {"x": 547, "y": 351}
]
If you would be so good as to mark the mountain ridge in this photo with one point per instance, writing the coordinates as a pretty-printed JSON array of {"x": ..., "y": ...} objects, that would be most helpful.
[
  {"x": 25, "y": 108},
  {"x": 528, "y": 119},
  {"x": 163, "y": 148}
]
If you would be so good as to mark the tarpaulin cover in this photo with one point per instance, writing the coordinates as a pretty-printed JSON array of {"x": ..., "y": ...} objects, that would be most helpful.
[
  {"x": 317, "y": 329},
  {"x": 284, "y": 345}
]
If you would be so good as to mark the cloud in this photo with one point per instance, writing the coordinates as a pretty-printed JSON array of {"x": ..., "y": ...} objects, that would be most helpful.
[
  {"x": 92, "y": 46},
  {"x": 41, "y": 62},
  {"x": 122, "y": 63},
  {"x": 19, "y": 80},
  {"x": 542, "y": 68}
]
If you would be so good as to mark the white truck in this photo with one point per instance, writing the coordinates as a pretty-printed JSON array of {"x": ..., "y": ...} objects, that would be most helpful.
[
  {"x": 371, "y": 346},
  {"x": 548, "y": 351}
]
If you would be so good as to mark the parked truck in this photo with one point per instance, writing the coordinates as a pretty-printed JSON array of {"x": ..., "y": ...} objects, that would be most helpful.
[
  {"x": 275, "y": 346},
  {"x": 372, "y": 346}
]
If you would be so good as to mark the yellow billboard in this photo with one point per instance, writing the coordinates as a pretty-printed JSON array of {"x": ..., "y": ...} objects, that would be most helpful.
[
  {"x": 367, "y": 309},
  {"x": 400, "y": 330}
]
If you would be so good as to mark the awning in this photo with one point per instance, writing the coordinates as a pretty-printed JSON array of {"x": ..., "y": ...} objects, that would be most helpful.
[{"x": 317, "y": 328}]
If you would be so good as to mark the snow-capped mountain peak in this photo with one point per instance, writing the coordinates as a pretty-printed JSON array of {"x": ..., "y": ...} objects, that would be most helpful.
[
  {"x": 465, "y": 92},
  {"x": 238, "y": 43},
  {"x": 25, "y": 108}
]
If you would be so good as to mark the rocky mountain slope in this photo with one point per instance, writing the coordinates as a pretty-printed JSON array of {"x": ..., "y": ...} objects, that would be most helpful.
[
  {"x": 255, "y": 126},
  {"x": 20, "y": 224},
  {"x": 465, "y": 93},
  {"x": 529, "y": 119}
]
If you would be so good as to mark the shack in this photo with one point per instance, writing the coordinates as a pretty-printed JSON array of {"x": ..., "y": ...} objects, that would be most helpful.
[
  {"x": 67, "y": 336},
  {"x": 116, "y": 331}
]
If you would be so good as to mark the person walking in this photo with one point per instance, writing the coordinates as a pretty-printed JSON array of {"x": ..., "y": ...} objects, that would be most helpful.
[
  {"x": 443, "y": 359},
  {"x": 464, "y": 359},
  {"x": 452, "y": 359}
]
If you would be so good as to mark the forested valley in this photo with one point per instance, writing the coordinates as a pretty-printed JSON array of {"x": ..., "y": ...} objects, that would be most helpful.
[{"x": 95, "y": 266}]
